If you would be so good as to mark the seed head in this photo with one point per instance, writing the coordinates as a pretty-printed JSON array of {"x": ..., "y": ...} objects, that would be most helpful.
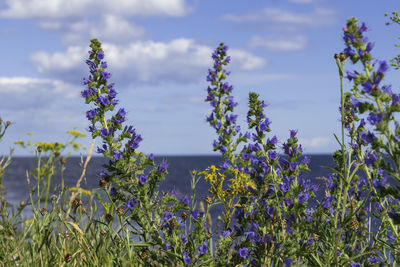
[
  {"x": 43, "y": 211},
  {"x": 103, "y": 183},
  {"x": 184, "y": 215},
  {"x": 68, "y": 257}
]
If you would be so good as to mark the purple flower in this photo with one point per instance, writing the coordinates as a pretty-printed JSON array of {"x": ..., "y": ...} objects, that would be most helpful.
[
  {"x": 303, "y": 196},
  {"x": 105, "y": 75},
  {"x": 167, "y": 216},
  {"x": 273, "y": 141},
  {"x": 272, "y": 155},
  {"x": 86, "y": 93},
  {"x": 288, "y": 262},
  {"x": 117, "y": 156},
  {"x": 379, "y": 184},
  {"x": 113, "y": 191},
  {"x": 231, "y": 102},
  {"x": 370, "y": 159},
  {"x": 327, "y": 202},
  {"x": 367, "y": 87},
  {"x": 102, "y": 149},
  {"x": 383, "y": 67},
  {"x": 243, "y": 252},
  {"x": 203, "y": 249},
  {"x": 350, "y": 75},
  {"x": 197, "y": 214},
  {"x": 142, "y": 179},
  {"x": 270, "y": 211},
  {"x": 186, "y": 258},
  {"x": 369, "y": 47},
  {"x": 363, "y": 28},
  {"x": 306, "y": 160},
  {"x": 232, "y": 118},
  {"x": 387, "y": 89},
  {"x": 103, "y": 65},
  {"x": 162, "y": 167},
  {"x": 395, "y": 99},
  {"x": 288, "y": 202},
  {"x": 100, "y": 55},
  {"x": 90, "y": 114},
  {"x": 185, "y": 200},
  {"x": 103, "y": 100},
  {"x": 245, "y": 156},
  {"x": 374, "y": 118},
  {"x": 264, "y": 125},
  {"x": 293, "y": 133},
  {"x": 105, "y": 133},
  {"x": 285, "y": 187},
  {"x": 292, "y": 166},
  {"x": 348, "y": 51},
  {"x": 134, "y": 142},
  {"x": 91, "y": 65},
  {"x": 367, "y": 138},
  {"x": 226, "y": 233},
  {"x": 112, "y": 93},
  {"x": 354, "y": 102},
  {"x": 355, "y": 264},
  {"x": 310, "y": 241},
  {"x": 131, "y": 203}
]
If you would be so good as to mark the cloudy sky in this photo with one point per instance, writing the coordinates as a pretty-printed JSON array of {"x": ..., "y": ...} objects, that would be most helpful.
[{"x": 158, "y": 52}]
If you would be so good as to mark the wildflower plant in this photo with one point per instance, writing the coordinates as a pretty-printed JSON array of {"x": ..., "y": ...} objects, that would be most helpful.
[{"x": 265, "y": 192}]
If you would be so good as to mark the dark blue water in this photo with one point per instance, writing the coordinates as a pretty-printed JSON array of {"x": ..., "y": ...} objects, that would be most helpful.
[{"x": 178, "y": 178}]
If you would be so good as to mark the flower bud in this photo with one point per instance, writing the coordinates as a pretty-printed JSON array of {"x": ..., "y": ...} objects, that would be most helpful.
[
  {"x": 68, "y": 258},
  {"x": 103, "y": 183},
  {"x": 184, "y": 215},
  {"x": 39, "y": 149},
  {"x": 43, "y": 211},
  {"x": 22, "y": 204},
  {"x": 103, "y": 232},
  {"x": 120, "y": 211},
  {"x": 63, "y": 160},
  {"x": 143, "y": 255},
  {"x": 108, "y": 217},
  {"x": 208, "y": 200}
]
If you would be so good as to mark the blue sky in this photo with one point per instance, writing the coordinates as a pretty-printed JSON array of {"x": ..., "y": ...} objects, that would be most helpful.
[{"x": 158, "y": 52}]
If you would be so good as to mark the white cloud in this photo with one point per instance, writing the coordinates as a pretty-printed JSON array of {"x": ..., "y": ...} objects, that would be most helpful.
[
  {"x": 318, "y": 17},
  {"x": 180, "y": 60},
  {"x": 41, "y": 105},
  {"x": 61, "y": 9},
  {"x": 315, "y": 142},
  {"x": 24, "y": 92},
  {"x": 109, "y": 29},
  {"x": 280, "y": 43}
]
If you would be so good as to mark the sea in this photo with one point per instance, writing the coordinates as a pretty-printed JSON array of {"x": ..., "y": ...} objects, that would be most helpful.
[{"x": 178, "y": 177}]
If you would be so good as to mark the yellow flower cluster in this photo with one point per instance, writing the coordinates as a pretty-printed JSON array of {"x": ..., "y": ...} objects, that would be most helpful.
[{"x": 239, "y": 184}]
